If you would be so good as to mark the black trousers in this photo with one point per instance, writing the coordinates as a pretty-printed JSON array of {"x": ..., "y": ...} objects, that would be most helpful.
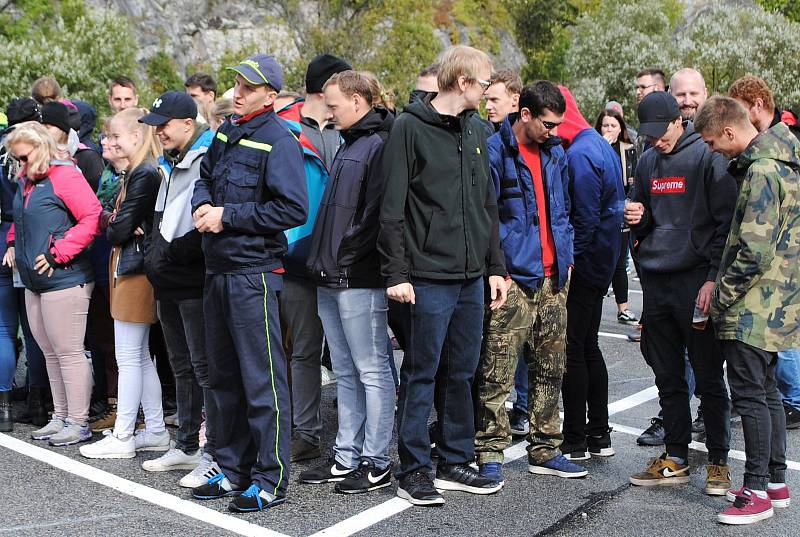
[
  {"x": 619, "y": 281},
  {"x": 584, "y": 389},
  {"x": 751, "y": 375},
  {"x": 669, "y": 300}
]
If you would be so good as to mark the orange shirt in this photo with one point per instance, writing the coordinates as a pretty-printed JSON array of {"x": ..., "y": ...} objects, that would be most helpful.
[{"x": 530, "y": 154}]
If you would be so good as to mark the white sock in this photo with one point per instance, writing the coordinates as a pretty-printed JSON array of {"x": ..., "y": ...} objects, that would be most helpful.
[
  {"x": 774, "y": 486},
  {"x": 760, "y": 493}
]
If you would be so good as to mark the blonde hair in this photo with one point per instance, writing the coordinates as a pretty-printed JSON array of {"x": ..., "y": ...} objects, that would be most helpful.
[
  {"x": 381, "y": 98},
  {"x": 150, "y": 149},
  {"x": 37, "y": 135},
  {"x": 459, "y": 61}
]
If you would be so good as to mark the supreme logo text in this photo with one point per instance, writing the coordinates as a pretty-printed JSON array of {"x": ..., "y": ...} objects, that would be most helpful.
[{"x": 668, "y": 185}]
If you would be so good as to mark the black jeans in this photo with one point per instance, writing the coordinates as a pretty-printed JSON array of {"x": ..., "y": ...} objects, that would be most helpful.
[
  {"x": 585, "y": 384},
  {"x": 669, "y": 300},
  {"x": 442, "y": 353},
  {"x": 751, "y": 375},
  {"x": 184, "y": 334},
  {"x": 619, "y": 281}
]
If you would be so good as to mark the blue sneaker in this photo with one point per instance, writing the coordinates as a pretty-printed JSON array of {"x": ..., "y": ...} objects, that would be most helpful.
[
  {"x": 493, "y": 471},
  {"x": 254, "y": 499},
  {"x": 218, "y": 486},
  {"x": 558, "y": 466}
]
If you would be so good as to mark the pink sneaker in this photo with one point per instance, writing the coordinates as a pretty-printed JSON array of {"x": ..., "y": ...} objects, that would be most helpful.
[
  {"x": 747, "y": 508},
  {"x": 779, "y": 497}
]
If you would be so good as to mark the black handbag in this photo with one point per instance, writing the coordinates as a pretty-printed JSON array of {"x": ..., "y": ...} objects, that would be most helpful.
[{"x": 131, "y": 254}]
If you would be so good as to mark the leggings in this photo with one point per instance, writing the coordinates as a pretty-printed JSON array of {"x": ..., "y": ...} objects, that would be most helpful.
[{"x": 58, "y": 322}]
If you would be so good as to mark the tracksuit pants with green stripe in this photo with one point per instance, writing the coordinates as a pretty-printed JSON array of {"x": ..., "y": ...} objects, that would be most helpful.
[{"x": 247, "y": 378}]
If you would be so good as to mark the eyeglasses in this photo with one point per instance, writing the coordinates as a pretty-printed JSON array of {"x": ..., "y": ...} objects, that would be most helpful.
[
  {"x": 549, "y": 125},
  {"x": 483, "y": 83},
  {"x": 642, "y": 87},
  {"x": 22, "y": 158}
]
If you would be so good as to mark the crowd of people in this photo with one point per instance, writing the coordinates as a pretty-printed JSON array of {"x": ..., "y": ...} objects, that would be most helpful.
[{"x": 216, "y": 252}]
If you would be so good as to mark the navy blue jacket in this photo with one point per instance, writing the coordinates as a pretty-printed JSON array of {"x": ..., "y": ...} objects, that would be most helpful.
[
  {"x": 344, "y": 243},
  {"x": 56, "y": 216},
  {"x": 595, "y": 187},
  {"x": 519, "y": 215},
  {"x": 255, "y": 171}
]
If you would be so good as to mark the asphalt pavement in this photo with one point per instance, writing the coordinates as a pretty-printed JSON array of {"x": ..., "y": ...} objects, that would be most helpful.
[{"x": 55, "y": 492}]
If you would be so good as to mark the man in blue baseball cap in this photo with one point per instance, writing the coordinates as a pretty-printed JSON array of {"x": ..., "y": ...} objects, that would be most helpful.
[{"x": 251, "y": 189}]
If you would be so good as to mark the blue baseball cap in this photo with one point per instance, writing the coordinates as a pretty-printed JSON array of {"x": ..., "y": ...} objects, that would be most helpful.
[
  {"x": 170, "y": 105},
  {"x": 261, "y": 69}
]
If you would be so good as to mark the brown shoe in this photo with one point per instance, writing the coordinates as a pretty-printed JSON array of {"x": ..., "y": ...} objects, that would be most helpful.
[
  {"x": 106, "y": 420},
  {"x": 718, "y": 479},
  {"x": 303, "y": 450},
  {"x": 661, "y": 471}
]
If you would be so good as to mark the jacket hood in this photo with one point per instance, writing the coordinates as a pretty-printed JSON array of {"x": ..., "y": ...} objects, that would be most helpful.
[
  {"x": 427, "y": 113},
  {"x": 377, "y": 120},
  {"x": 510, "y": 139},
  {"x": 88, "y": 118},
  {"x": 574, "y": 122},
  {"x": 776, "y": 143}
]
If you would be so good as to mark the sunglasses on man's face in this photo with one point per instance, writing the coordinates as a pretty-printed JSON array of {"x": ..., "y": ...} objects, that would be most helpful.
[
  {"x": 22, "y": 158},
  {"x": 549, "y": 125}
]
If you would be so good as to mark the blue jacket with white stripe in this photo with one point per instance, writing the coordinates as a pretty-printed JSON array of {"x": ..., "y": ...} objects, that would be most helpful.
[{"x": 254, "y": 170}]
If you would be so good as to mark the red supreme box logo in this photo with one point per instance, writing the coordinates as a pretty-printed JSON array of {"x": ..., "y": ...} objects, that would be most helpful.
[{"x": 668, "y": 185}]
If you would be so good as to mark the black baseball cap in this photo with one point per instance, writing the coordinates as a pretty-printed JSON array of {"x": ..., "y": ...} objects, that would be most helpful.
[
  {"x": 656, "y": 111},
  {"x": 170, "y": 105}
]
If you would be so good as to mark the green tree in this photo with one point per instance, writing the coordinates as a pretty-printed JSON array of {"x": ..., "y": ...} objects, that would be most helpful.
[
  {"x": 82, "y": 49},
  {"x": 788, "y": 8}
]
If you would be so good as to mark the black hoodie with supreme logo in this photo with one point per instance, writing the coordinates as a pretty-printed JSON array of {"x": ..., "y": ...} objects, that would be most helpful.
[
  {"x": 439, "y": 214},
  {"x": 688, "y": 198}
]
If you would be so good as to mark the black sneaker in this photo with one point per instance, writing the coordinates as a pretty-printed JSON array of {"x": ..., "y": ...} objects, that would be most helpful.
[
  {"x": 653, "y": 435},
  {"x": 364, "y": 479},
  {"x": 575, "y": 453},
  {"x": 418, "y": 489},
  {"x": 465, "y": 478},
  {"x": 303, "y": 450},
  {"x": 216, "y": 487},
  {"x": 254, "y": 499},
  {"x": 97, "y": 410},
  {"x": 519, "y": 423},
  {"x": 329, "y": 471},
  {"x": 600, "y": 445},
  {"x": 792, "y": 416}
]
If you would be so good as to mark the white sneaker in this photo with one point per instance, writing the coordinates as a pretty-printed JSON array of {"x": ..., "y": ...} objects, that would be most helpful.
[
  {"x": 174, "y": 459},
  {"x": 205, "y": 470},
  {"x": 110, "y": 447},
  {"x": 327, "y": 375},
  {"x": 144, "y": 440}
]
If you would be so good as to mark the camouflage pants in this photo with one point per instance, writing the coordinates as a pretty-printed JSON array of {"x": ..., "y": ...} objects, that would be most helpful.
[{"x": 538, "y": 318}]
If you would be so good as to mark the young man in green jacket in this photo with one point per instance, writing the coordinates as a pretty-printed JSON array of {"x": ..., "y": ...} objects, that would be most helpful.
[{"x": 754, "y": 304}]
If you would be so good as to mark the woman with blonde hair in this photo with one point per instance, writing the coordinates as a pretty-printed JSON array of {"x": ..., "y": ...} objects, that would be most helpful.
[
  {"x": 56, "y": 217},
  {"x": 132, "y": 300}
]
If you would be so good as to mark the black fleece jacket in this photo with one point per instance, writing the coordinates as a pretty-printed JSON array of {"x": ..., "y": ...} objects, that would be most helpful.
[
  {"x": 343, "y": 244},
  {"x": 439, "y": 214}
]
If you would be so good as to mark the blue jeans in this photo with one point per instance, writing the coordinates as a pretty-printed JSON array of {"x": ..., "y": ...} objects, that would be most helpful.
[
  {"x": 12, "y": 315},
  {"x": 355, "y": 327},
  {"x": 788, "y": 377},
  {"x": 442, "y": 353}
]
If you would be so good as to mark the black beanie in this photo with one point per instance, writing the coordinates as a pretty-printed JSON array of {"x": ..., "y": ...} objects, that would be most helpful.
[
  {"x": 321, "y": 69},
  {"x": 23, "y": 109},
  {"x": 57, "y": 115}
]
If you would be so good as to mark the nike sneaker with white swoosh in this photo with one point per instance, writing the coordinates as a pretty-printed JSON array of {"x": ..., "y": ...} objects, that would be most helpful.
[
  {"x": 365, "y": 478},
  {"x": 329, "y": 471},
  {"x": 661, "y": 471}
]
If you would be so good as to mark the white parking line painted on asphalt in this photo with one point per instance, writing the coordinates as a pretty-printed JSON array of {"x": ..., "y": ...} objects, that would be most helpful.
[
  {"x": 632, "y": 400},
  {"x": 142, "y": 492},
  {"x": 612, "y": 335},
  {"x": 365, "y": 519},
  {"x": 697, "y": 446}
]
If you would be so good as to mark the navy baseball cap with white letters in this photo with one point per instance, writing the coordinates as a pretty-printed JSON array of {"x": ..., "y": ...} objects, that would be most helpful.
[{"x": 170, "y": 105}]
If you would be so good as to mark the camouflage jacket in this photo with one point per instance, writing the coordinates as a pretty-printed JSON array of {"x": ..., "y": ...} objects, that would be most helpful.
[{"x": 757, "y": 295}]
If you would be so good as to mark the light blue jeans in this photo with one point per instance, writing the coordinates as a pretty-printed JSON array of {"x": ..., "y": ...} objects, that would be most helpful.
[
  {"x": 787, "y": 376},
  {"x": 354, "y": 321}
]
